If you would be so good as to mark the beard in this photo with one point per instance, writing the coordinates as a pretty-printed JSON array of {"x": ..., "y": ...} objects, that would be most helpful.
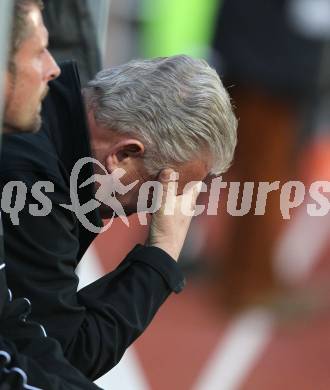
[
  {"x": 35, "y": 125},
  {"x": 31, "y": 126}
]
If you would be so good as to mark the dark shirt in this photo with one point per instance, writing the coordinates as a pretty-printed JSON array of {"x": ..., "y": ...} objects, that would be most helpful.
[
  {"x": 3, "y": 281},
  {"x": 97, "y": 324},
  {"x": 28, "y": 358}
]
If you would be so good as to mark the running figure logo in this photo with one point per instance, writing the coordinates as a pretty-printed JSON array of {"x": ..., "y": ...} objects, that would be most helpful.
[{"x": 110, "y": 185}]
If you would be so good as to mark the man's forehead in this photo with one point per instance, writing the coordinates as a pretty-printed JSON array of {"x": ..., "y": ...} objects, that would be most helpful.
[
  {"x": 34, "y": 15},
  {"x": 37, "y": 29},
  {"x": 198, "y": 167},
  {"x": 45, "y": 34},
  {"x": 195, "y": 170}
]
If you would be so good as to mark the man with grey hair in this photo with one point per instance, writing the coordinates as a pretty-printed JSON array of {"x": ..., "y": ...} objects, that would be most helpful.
[
  {"x": 146, "y": 118},
  {"x": 176, "y": 106}
]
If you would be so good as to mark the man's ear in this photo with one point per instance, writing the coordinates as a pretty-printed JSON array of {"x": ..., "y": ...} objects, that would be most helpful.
[{"x": 123, "y": 152}]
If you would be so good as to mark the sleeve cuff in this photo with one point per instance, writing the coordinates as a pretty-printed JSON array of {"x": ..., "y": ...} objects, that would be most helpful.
[{"x": 161, "y": 262}]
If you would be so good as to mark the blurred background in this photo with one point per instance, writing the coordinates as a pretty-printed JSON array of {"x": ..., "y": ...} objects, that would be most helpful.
[{"x": 255, "y": 314}]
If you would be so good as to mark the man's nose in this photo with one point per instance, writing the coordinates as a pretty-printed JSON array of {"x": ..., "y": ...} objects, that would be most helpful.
[{"x": 53, "y": 70}]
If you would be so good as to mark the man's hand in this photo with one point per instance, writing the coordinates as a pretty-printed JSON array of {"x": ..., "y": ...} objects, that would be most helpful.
[{"x": 170, "y": 224}]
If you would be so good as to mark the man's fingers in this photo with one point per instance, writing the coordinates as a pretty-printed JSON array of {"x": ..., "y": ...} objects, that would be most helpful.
[
  {"x": 167, "y": 175},
  {"x": 189, "y": 198},
  {"x": 192, "y": 191},
  {"x": 169, "y": 225},
  {"x": 197, "y": 190},
  {"x": 168, "y": 178}
]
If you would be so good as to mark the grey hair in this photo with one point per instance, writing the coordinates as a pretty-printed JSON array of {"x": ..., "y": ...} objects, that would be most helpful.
[{"x": 177, "y": 106}]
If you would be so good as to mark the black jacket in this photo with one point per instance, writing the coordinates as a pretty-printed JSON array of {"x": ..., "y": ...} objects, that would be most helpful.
[
  {"x": 96, "y": 325},
  {"x": 28, "y": 358},
  {"x": 40, "y": 366}
]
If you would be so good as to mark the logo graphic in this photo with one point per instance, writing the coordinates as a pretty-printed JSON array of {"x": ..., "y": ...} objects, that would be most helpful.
[
  {"x": 109, "y": 186},
  {"x": 110, "y": 191}
]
